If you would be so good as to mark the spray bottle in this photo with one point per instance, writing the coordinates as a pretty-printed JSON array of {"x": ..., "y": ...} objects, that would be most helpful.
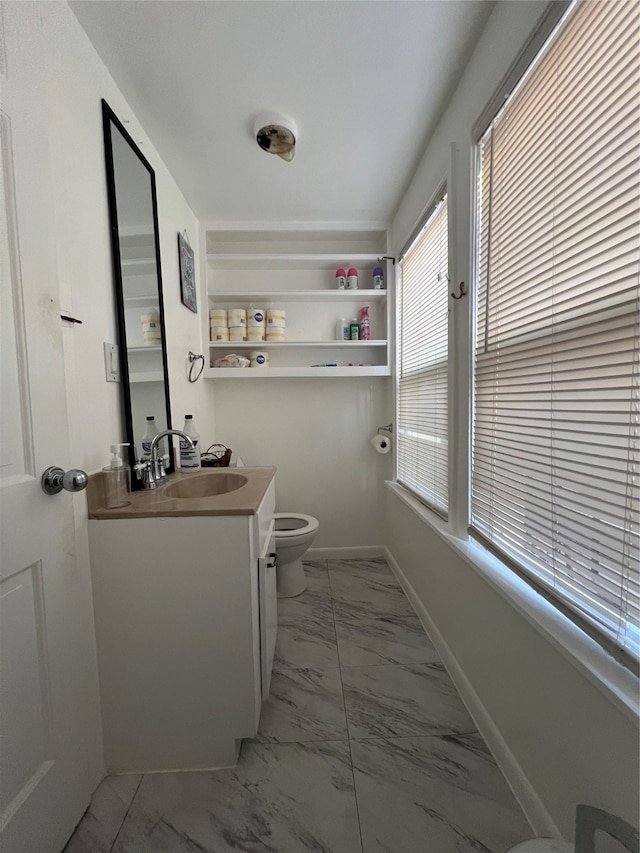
[{"x": 365, "y": 331}]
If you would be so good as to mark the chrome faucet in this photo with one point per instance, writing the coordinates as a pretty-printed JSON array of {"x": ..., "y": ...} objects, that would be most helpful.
[{"x": 151, "y": 471}]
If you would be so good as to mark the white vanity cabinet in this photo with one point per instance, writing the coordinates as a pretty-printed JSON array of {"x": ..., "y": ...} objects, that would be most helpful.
[{"x": 185, "y": 615}]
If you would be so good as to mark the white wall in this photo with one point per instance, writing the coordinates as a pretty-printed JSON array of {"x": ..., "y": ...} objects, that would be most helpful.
[
  {"x": 317, "y": 433},
  {"x": 569, "y": 740},
  {"x": 75, "y": 82}
]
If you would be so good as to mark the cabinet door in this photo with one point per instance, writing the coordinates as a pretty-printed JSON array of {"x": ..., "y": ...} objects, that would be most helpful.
[{"x": 268, "y": 609}]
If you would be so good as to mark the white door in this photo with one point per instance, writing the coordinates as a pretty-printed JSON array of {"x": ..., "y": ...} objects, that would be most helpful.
[{"x": 43, "y": 784}]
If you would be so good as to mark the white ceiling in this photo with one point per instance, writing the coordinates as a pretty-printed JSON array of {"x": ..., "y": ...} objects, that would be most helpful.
[{"x": 364, "y": 80}]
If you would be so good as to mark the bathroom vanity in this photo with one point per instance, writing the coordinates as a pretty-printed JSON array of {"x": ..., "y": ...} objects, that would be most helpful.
[{"x": 184, "y": 591}]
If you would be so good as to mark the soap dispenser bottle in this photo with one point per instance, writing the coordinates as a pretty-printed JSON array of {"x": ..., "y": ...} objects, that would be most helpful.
[{"x": 116, "y": 479}]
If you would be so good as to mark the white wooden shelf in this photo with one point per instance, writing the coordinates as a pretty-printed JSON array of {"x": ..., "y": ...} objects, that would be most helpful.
[
  {"x": 326, "y": 295},
  {"x": 293, "y": 344},
  {"x": 151, "y": 376},
  {"x": 146, "y": 298},
  {"x": 139, "y": 266},
  {"x": 273, "y": 372},
  {"x": 296, "y": 270},
  {"x": 305, "y": 261},
  {"x": 150, "y": 348}
]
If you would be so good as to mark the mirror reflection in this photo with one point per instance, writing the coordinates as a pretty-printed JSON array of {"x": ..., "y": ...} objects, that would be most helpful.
[{"x": 138, "y": 281}]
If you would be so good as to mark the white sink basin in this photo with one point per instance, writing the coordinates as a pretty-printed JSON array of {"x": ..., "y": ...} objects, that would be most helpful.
[{"x": 206, "y": 485}]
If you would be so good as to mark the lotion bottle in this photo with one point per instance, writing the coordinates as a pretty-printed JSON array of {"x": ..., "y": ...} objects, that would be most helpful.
[
  {"x": 190, "y": 456},
  {"x": 149, "y": 434},
  {"x": 116, "y": 479},
  {"x": 342, "y": 330}
]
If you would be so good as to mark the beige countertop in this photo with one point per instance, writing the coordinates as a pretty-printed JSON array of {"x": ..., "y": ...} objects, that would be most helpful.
[{"x": 149, "y": 503}]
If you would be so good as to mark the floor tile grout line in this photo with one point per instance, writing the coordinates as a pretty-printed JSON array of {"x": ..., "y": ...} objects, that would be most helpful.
[
  {"x": 355, "y": 797},
  {"x": 294, "y": 742},
  {"x": 415, "y": 736},
  {"x": 135, "y": 794},
  {"x": 344, "y": 704},
  {"x": 346, "y": 719}
]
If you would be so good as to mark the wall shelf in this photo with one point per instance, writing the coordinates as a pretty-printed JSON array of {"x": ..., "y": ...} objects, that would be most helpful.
[
  {"x": 295, "y": 272},
  {"x": 281, "y": 296},
  {"x": 150, "y": 348},
  {"x": 292, "y": 372},
  {"x": 267, "y": 261},
  {"x": 346, "y": 345},
  {"x": 154, "y": 376}
]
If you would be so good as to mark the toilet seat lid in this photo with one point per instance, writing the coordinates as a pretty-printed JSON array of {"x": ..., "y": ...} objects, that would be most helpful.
[{"x": 300, "y": 524}]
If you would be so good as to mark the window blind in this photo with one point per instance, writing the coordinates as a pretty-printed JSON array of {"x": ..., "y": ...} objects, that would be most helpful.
[
  {"x": 422, "y": 394},
  {"x": 556, "y": 443}
]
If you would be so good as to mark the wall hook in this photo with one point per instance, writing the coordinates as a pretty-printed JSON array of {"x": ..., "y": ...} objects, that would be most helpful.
[
  {"x": 462, "y": 293},
  {"x": 387, "y": 258}
]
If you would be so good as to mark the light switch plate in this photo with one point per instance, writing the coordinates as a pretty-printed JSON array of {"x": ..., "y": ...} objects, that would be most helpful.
[{"x": 111, "y": 362}]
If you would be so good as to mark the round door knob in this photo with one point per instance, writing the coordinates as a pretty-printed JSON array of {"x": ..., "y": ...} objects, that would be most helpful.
[{"x": 55, "y": 479}]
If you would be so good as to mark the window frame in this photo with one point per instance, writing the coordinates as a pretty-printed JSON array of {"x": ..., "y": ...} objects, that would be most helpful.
[
  {"x": 597, "y": 662},
  {"x": 429, "y": 211},
  {"x": 551, "y": 22}
]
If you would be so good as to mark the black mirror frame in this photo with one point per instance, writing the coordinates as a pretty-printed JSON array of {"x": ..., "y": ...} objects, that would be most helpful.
[{"x": 110, "y": 119}]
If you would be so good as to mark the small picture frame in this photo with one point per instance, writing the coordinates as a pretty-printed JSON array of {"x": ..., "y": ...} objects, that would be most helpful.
[{"x": 187, "y": 275}]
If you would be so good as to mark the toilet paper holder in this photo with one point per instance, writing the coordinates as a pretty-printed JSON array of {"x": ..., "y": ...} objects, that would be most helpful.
[{"x": 387, "y": 428}]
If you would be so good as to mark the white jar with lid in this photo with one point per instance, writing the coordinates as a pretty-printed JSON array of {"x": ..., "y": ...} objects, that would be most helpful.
[
  {"x": 259, "y": 358},
  {"x": 256, "y": 318}
]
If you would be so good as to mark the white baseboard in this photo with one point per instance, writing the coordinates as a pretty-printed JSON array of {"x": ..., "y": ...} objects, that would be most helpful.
[
  {"x": 357, "y": 552},
  {"x": 534, "y": 809}
]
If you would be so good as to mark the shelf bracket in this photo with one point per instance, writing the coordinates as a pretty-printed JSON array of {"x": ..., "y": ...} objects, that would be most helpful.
[{"x": 388, "y": 258}]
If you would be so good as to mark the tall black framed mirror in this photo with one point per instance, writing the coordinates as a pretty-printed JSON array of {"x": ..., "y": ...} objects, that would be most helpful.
[{"x": 137, "y": 275}]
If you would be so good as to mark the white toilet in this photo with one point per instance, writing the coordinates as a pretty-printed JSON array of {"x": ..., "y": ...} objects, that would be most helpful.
[{"x": 294, "y": 533}]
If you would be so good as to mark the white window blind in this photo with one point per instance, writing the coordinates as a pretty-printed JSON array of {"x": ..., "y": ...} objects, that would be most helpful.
[
  {"x": 422, "y": 398},
  {"x": 556, "y": 457}
]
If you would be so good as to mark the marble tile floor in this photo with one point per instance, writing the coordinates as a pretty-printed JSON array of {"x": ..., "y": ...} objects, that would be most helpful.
[{"x": 364, "y": 746}]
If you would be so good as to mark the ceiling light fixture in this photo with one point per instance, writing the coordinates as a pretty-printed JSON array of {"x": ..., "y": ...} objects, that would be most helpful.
[{"x": 276, "y": 135}]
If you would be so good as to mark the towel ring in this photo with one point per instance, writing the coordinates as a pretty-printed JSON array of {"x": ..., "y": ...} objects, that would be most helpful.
[{"x": 193, "y": 358}]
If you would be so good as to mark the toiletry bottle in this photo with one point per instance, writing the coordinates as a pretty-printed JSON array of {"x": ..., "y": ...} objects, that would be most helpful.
[
  {"x": 365, "y": 332},
  {"x": 341, "y": 279},
  {"x": 116, "y": 479},
  {"x": 378, "y": 278},
  {"x": 190, "y": 456},
  {"x": 342, "y": 330},
  {"x": 354, "y": 330},
  {"x": 352, "y": 279},
  {"x": 149, "y": 434}
]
